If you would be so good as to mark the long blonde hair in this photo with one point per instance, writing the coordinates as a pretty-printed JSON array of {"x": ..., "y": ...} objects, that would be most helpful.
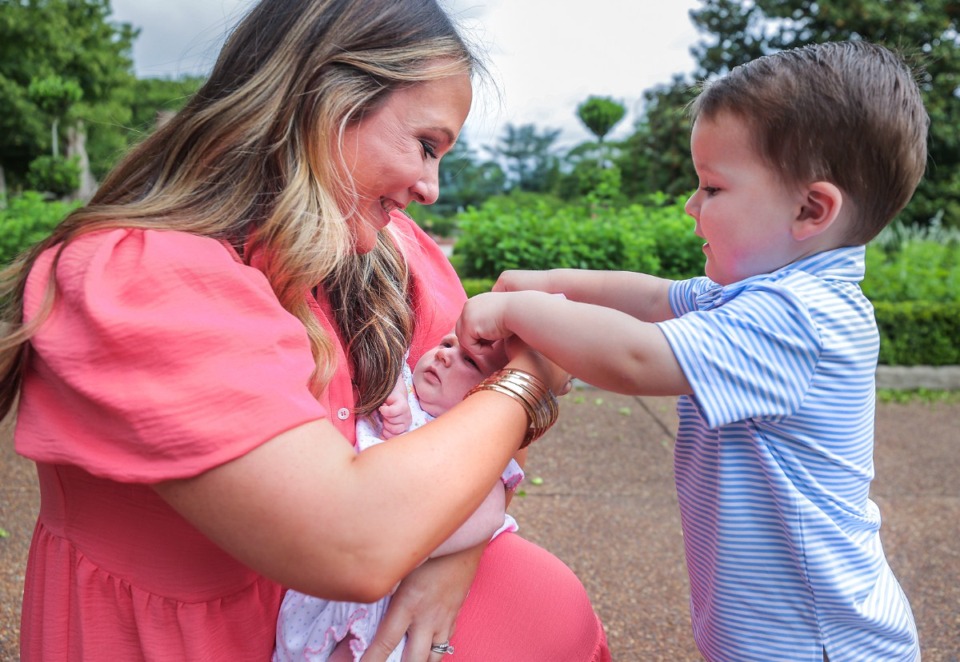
[{"x": 253, "y": 159}]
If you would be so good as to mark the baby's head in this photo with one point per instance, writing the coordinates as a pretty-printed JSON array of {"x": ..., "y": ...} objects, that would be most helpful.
[
  {"x": 847, "y": 113},
  {"x": 445, "y": 374}
]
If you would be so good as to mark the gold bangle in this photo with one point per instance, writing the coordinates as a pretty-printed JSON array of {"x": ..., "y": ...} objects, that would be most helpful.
[{"x": 538, "y": 402}]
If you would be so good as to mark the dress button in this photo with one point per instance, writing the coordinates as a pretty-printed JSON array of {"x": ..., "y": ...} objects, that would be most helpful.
[{"x": 343, "y": 413}]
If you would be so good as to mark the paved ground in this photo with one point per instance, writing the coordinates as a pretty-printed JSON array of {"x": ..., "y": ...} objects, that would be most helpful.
[{"x": 600, "y": 495}]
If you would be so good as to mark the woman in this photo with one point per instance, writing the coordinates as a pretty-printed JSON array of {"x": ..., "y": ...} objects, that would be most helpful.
[{"x": 190, "y": 351}]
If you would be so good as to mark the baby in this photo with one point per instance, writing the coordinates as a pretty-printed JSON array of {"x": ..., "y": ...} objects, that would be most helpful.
[{"x": 311, "y": 628}]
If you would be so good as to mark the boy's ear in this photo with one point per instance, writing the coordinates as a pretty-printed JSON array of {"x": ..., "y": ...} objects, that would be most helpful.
[{"x": 819, "y": 209}]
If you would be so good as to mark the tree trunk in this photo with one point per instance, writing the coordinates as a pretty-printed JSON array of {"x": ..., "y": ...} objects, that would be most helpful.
[{"x": 77, "y": 146}]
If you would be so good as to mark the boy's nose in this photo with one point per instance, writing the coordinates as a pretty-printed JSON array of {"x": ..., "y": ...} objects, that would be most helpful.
[{"x": 693, "y": 206}]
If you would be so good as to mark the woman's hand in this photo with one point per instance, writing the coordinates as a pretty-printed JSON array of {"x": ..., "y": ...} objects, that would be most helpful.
[{"x": 425, "y": 606}]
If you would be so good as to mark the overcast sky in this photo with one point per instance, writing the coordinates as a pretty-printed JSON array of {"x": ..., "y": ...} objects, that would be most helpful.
[{"x": 545, "y": 56}]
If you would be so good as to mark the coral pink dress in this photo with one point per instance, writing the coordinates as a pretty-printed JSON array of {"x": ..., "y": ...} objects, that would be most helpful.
[{"x": 164, "y": 357}]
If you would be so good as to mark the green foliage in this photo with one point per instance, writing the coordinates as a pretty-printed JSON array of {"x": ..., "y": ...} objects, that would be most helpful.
[
  {"x": 600, "y": 115},
  {"x": 919, "y": 333},
  {"x": 914, "y": 264},
  {"x": 538, "y": 232},
  {"x": 475, "y": 286},
  {"x": 529, "y": 156},
  {"x": 656, "y": 157},
  {"x": 55, "y": 175},
  {"x": 913, "y": 275},
  {"x": 926, "y": 31},
  {"x": 923, "y": 395},
  {"x": 54, "y": 95},
  {"x": 58, "y": 47},
  {"x": 428, "y": 218},
  {"x": 26, "y": 220}
]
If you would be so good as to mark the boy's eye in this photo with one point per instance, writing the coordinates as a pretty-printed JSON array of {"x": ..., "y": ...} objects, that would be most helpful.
[{"x": 710, "y": 190}]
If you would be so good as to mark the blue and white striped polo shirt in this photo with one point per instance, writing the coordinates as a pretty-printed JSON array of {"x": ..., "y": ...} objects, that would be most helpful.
[{"x": 773, "y": 463}]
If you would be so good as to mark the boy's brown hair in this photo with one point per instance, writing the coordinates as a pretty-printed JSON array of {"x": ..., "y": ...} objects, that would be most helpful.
[{"x": 849, "y": 113}]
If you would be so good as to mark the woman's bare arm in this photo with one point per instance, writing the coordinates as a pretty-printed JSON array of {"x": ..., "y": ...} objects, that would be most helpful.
[{"x": 310, "y": 513}]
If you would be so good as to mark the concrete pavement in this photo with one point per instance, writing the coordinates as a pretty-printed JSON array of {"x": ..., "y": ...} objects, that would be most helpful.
[
  {"x": 600, "y": 495},
  {"x": 607, "y": 506}
]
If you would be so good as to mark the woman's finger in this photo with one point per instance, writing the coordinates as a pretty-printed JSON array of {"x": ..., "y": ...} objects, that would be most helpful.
[{"x": 390, "y": 633}]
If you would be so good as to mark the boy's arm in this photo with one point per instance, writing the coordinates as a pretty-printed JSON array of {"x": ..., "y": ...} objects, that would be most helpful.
[
  {"x": 639, "y": 295},
  {"x": 483, "y": 523},
  {"x": 604, "y": 347}
]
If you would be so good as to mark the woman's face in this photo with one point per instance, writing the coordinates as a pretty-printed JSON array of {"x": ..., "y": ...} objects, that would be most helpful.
[{"x": 394, "y": 152}]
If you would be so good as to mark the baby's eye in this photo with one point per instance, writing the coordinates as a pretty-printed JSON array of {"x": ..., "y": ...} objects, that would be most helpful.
[
  {"x": 471, "y": 362},
  {"x": 710, "y": 190}
]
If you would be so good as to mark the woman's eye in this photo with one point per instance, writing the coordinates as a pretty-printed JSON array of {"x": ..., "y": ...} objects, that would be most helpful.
[
  {"x": 471, "y": 362},
  {"x": 428, "y": 149}
]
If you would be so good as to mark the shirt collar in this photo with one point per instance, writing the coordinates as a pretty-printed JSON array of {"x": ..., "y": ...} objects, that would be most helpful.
[{"x": 843, "y": 264}]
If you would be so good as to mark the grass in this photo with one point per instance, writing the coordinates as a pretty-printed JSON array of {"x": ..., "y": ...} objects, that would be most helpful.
[{"x": 917, "y": 395}]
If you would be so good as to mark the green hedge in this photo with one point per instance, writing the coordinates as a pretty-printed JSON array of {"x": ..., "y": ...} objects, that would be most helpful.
[
  {"x": 913, "y": 276},
  {"x": 26, "y": 220},
  {"x": 523, "y": 232},
  {"x": 919, "y": 333},
  {"x": 913, "y": 279}
]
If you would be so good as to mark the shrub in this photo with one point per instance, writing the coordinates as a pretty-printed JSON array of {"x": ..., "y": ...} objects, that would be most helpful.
[
  {"x": 475, "y": 286},
  {"x": 26, "y": 220},
  {"x": 916, "y": 269},
  {"x": 54, "y": 174},
  {"x": 538, "y": 232},
  {"x": 919, "y": 333},
  {"x": 913, "y": 275}
]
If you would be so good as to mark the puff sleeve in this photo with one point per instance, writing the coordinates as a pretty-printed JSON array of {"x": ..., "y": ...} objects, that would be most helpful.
[{"x": 164, "y": 356}]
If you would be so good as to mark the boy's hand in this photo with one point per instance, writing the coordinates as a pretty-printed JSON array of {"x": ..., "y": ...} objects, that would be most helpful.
[
  {"x": 481, "y": 322},
  {"x": 395, "y": 412},
  {"x": 516, "y": 280}
]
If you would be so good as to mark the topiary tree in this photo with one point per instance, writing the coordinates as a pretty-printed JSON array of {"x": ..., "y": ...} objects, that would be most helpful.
[{"x": 600, "y": 115}]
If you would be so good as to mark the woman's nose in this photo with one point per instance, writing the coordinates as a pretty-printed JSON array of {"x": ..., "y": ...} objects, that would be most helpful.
[{"x": 427, "y": 189}]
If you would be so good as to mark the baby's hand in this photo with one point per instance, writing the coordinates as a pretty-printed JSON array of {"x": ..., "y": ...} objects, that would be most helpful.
[{"x": 395, "y": 412}]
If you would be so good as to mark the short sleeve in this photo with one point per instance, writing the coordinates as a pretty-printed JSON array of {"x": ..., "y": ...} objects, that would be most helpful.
[
  {"x": 164, "y": 356},
  {"x": 753, "y": 356}
]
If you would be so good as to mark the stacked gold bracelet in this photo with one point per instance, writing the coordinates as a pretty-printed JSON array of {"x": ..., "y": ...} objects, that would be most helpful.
[{"x": 533, "y": 395}]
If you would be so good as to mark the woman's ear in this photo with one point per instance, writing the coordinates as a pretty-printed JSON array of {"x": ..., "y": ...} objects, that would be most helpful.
[{"x": 819, "y": 210}]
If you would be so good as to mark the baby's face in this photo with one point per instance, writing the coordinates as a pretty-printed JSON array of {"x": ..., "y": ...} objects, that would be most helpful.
[{"x": 446, "y": 373}]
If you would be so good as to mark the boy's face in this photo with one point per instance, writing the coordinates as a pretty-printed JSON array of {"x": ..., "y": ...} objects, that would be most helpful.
[
  {"x": 446, "y": 373},
  {"x": 743, "y": 210}
]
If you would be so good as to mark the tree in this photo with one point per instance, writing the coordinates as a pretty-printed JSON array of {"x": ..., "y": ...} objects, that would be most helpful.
[
  {"x": 530, "y": 161},
  {"x": 591, "y": 160},
  {"x": 57, "y": 48},
  {"x": 54, "y": 96},
  {"x": 656, "y": 157},
  {"x": 465, "y": 181},
  {"x": 927, "y": 33},
  {"x": 737, "y": 31},
  {"x": 600, "y": 115}
]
